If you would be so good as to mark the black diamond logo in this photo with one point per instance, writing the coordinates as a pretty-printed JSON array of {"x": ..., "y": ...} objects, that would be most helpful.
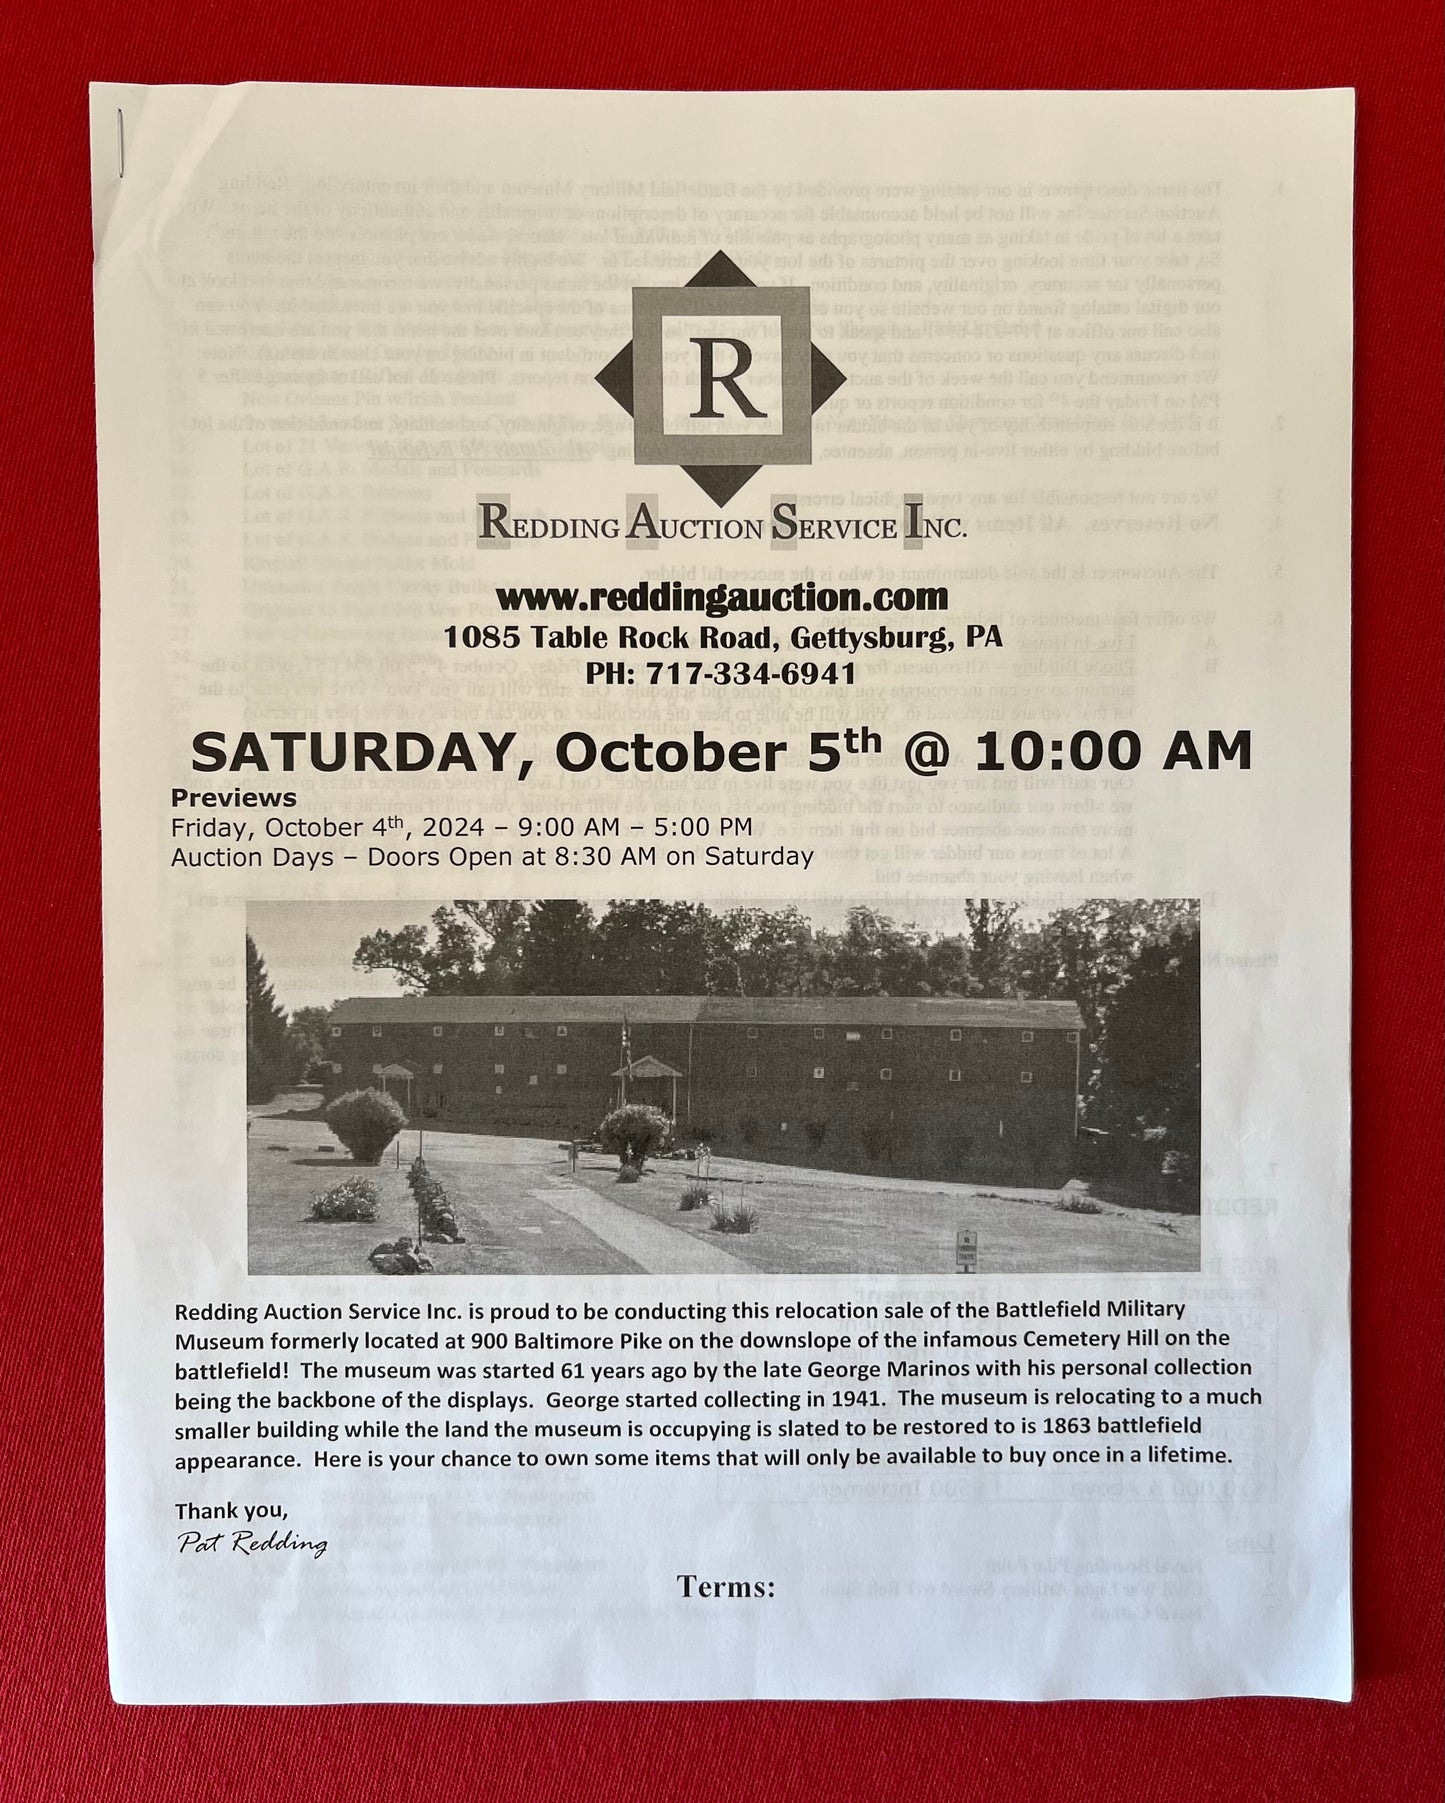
[{"x": 721, "y": 465}]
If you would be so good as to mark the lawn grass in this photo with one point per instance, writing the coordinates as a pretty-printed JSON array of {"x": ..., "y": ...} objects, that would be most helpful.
[
  {"x": 282, "y": 1237},
  {"x": 291, "y": 1154},
  {"x": 823, "y": 1221},
  {"x": 807, "y": 1220}
]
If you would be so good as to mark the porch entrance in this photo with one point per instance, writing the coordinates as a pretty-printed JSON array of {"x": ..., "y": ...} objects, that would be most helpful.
[{"x": 649, "y": 1081}]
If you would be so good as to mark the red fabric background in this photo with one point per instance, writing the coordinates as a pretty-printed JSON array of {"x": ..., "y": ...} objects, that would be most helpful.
[{"x": 60, "y": 1735}]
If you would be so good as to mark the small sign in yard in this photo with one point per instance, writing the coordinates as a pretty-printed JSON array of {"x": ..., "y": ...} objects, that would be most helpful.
[{"x": 966, "y": 1250}]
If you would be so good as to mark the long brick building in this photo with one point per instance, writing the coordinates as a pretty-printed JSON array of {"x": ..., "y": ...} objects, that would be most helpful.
[{"x": 974, "y": 1090}]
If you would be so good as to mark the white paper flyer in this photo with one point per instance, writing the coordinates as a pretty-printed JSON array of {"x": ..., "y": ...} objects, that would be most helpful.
[{"x": 725, "y": 778}]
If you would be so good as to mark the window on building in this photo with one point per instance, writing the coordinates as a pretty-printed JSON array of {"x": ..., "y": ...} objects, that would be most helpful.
[
  {"x": 336, "y": 1032},
  {"x": 852, "y": 1036},
  {"x": 888, "y": 1032},
  {"x": 955, "y": 1034},
  {"x": 529, "y": 1032},
  {"x": 817, "y": 1071},
  {"x": 561, "y": 1032},
  {"x": 499, "y": 1070},
  {"x": 1026, "y": 1076},
  {"x": 750, "y": 1070},
  {"x": 497, "y": 1032},
  {"x": 886, "y": 1074},
  {"x": 752, "y": 1032},
  {"x": 499, "y": 1089},
  {"x": 817, "y": 1032},
  {"x": 955, "y": 1076},
  {"x": 852, "y": 1086},
  {"x": 1072, "y": 1038},
  {"x": 561, "y": 1070},
  {"x": 376, "y": 1032},
  {"x": 436, "y": 1070},
  {"x": 532, "y": 1081},
  {"x": 437, "y": 1032},
  {"x": 1027, "y": 1038}
]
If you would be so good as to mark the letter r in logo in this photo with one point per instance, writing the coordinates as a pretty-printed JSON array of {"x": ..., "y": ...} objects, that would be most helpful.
[
  {"x": 705, "y": 358},
  {"x": 708, "y": 378}
]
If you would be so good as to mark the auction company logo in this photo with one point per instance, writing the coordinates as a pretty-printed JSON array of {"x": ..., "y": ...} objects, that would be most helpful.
[{"x": 721, "y": 377}]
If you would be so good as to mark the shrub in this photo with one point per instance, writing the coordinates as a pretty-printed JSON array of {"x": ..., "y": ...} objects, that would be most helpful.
[
  {"x": 628, "y": 1173},
  {"x": 353, "y": 1199},
  {"x": 1079, "y": 1205},
  {"x": 633, "y": 1132},
  {"x": 261, "y": 1084},
  {"x": 738, "y": 1219},
  {"x": 366, "y": 1121},
  {"x": 696, "y": 1195},
  {"x": 400, "y": 1258},
  {"x": 435, "y": 1216},
  {"x": 877, "y": 1142}
]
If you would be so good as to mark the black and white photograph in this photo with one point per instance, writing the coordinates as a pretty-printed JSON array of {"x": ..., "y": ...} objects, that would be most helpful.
[{"x": 561, "y": 1088}]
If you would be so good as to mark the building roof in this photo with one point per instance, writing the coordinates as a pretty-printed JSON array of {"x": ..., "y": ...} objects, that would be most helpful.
[
  {"x": 644, "y": 1068},
  {"x": 704, "y": 1010}
]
